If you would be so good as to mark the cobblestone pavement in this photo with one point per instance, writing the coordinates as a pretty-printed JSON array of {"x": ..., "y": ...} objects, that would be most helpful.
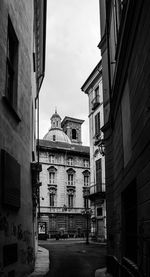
[{"x": 73, "y": 258}]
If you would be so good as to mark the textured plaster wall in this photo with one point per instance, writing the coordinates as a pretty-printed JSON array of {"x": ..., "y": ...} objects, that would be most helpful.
[{"x": 16, "y": 137}]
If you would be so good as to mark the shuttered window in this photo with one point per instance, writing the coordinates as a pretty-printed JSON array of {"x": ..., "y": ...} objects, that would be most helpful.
[
  {"x": 12, "y": 65},
  {"x": 98, "y": 175},
  {"x": 97, "y": 124},
  {"x": 51, "y": 198},
  {"x": 70, "y": 201}
]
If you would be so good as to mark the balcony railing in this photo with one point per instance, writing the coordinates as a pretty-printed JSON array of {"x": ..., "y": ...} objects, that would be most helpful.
[
  {"x": 61, "y": 210},
  {"x": 97, "y": 190},
  {"x": 95, "y": 102},
  {"x": 71, "y": 183},
  {"x": 52, "y": 184}
]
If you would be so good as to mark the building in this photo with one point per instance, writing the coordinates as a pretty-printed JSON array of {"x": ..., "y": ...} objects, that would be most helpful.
[
  {"x": 125, "y": 48},
  {"x": 93, "y": 88},
  {"x": 22, "y": 56},
  {"x": 65, "y": 179}
]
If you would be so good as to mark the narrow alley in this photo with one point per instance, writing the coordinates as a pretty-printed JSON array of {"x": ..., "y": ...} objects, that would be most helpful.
[{"x": 74, "y": 258}]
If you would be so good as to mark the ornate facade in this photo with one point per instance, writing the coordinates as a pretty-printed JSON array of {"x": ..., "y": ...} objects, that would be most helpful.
[{"x": 64, "y": 177}]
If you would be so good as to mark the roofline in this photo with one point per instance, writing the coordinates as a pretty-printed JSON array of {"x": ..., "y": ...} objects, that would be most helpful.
[
  {"x": 97, "y": 69},
  {"x": 72, "y": 119},
  {"x": 62, "y": 150}
]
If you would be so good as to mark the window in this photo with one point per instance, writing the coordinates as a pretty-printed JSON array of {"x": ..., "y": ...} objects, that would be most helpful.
[
  {"x": 99, "y": 211},
  {"x": 97, "y": 124},
  {"x": 98, "y": 175},
  {"x": 95, "y": 101},
  {"x": 51, "y": 158},
  {"x": 70, "y": 179},
  {"x": 70, "y": 201},
  {"x": 74, "y": 134},
  {"x": 86, "y": 203},
  {"x": 86, "y": 180},
  {"x": 118, "y": 12},
  {"x": 86, "y": 163},
  {"x": 96, "y": 92},
  {"x": 51, "y": 200},
  {"x": 70, "y": 161},
  {"x": 54, "y": 137},
  {"x": 12, "y": 65},
  {"x": 51, "y": 177},
  {"x": 11, "y": 180}
]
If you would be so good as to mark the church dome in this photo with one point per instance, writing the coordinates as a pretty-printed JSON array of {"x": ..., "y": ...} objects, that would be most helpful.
[{"x": 57, "y": 134}]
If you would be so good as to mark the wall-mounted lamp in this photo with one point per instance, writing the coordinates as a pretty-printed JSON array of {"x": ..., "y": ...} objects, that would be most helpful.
[{"x": 101, "y": 147}]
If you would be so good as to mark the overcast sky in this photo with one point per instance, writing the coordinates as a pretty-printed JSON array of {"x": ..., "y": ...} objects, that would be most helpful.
[{"x": 73, "y": 33}]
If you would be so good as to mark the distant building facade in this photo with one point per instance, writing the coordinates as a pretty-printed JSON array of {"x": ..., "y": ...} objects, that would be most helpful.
[
  {"x": 64, "y": 177},
  {"x": 19, "y": 87},
  {"x": 93, "y": 88},
  {"x": 125, "y": 50}
]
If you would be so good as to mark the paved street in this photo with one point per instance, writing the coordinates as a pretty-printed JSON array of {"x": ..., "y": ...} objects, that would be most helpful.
[{"x": 73, "y": 258}]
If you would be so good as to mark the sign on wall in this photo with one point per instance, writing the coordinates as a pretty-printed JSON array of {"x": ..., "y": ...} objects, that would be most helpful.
[{"x": 42, "y": 227}]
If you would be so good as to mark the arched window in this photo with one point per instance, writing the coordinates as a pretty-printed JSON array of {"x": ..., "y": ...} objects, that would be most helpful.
[
  {"x": 52, "y": 175},
  {"x": 86, "y": 174},
  {"x": 74, "y": 134},
  {"x": 71, "y": 173}
]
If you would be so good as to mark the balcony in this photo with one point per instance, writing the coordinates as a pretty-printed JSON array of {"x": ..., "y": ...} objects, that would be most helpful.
[
  {"x": 60, "y": 210},
  {"x": 70, "y": 185},
  {"x": 86, "y": 191},
  {"x": 97, "y": 191},
  {"x": 52, "y": 188},
  {"x": 95, "y": 102},
  {"x": 52, "y": 185}
]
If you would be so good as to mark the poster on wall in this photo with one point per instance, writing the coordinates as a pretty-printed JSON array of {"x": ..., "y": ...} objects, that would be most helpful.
[{"x": 42, "y": 227}]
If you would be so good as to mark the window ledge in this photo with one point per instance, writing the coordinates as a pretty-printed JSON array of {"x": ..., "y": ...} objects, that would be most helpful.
[{"x": 11, "y": 109}]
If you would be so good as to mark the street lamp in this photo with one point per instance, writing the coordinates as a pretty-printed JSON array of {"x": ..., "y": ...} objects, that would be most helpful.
[
  {"x": 87, "y": 212},
  {"x": 101, "y": 147}
]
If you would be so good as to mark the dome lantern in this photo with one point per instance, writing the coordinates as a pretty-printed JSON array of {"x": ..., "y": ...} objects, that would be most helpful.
[{"x": 55, "y": 120}]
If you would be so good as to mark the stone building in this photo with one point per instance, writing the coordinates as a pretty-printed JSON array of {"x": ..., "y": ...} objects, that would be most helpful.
[
  {"x": 22, "y": 60},
  {"x": 125, "y": 48},
  {"x": 93, "y": 88},
  {"x": 64, "y": 177}
]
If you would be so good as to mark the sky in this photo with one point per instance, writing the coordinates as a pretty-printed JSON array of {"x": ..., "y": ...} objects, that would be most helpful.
[{"x": 72, "y": 36}]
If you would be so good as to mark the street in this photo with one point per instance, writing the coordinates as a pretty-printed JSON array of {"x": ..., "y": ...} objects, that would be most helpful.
[{"x": 74, "y": 258}]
